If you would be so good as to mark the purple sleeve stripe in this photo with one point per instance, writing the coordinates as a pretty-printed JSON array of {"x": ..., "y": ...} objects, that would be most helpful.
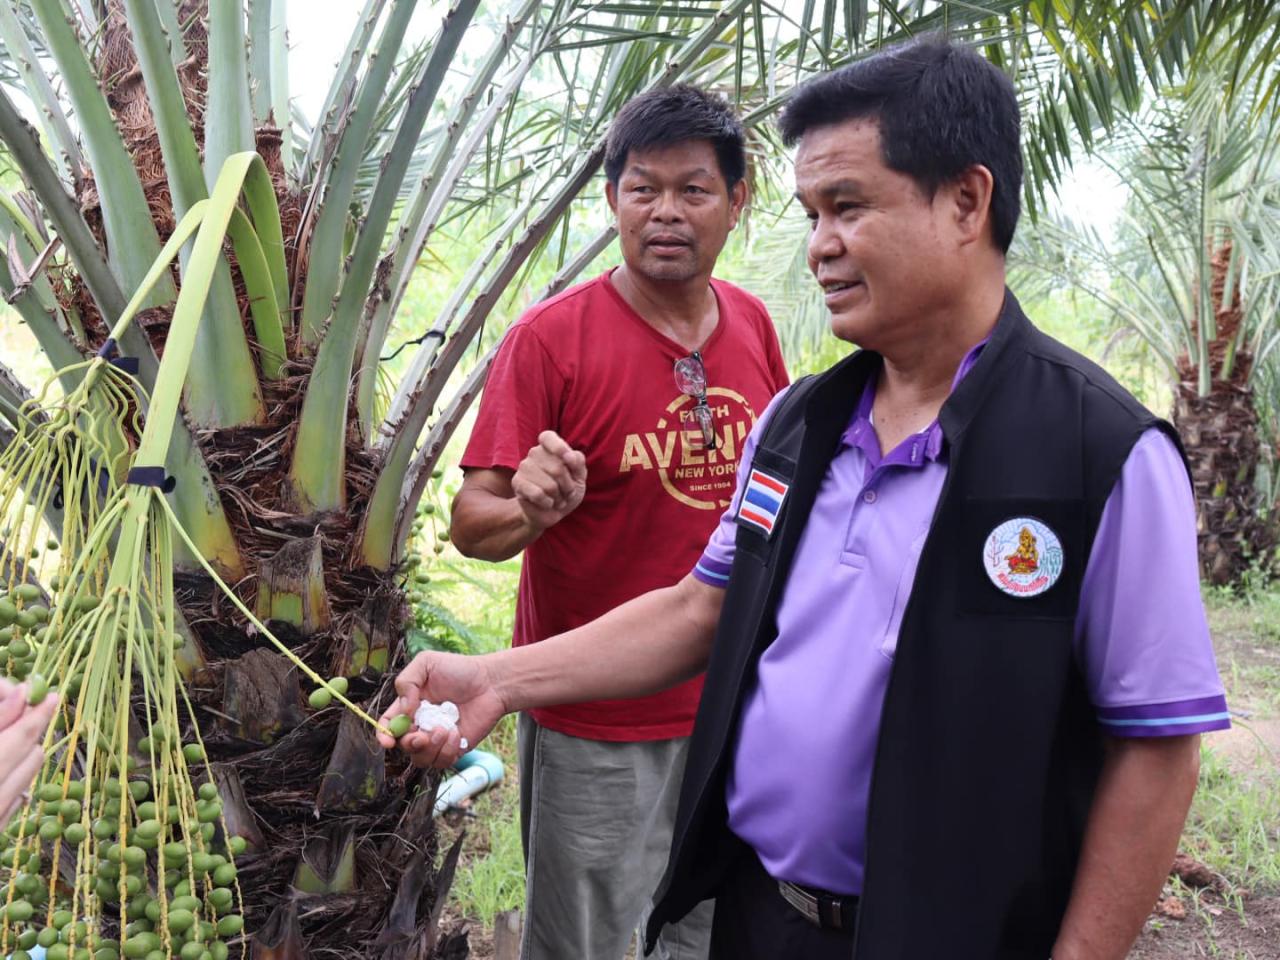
[
  {"x": 1173, "y": 711},
  {"x": 714, "y": 567},
  {"x": 709, "y": 576},
  {"x": 1181, "y": 727}
]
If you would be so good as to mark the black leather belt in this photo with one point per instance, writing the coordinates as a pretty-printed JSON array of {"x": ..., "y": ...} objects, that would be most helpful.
[{"x": 820, "y": 908}]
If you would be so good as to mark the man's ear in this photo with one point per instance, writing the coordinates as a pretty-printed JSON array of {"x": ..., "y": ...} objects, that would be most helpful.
[
  {"x": 737, "y": 201},
  {"x": 611, "y": 195},
  {"x": 971, "y": 194}
]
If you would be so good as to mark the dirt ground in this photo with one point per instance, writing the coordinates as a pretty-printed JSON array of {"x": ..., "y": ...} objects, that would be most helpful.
[
  {"x": 1210, "y": 926},
  {"x": 1190, "y": 923}
]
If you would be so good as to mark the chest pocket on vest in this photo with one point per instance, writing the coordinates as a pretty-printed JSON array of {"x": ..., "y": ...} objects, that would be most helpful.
[
  {"x": 764, "y": 504},
  {"x": 1021, "y": 558}
]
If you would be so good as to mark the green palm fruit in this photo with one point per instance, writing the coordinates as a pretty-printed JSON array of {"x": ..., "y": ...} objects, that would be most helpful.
[{"x": 400, "y": 725}]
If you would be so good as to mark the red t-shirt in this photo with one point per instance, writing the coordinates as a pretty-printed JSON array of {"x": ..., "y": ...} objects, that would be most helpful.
[{"x": 585, "y": 365}]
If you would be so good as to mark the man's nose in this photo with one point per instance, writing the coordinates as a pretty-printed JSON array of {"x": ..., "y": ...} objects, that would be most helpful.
[
  {"x": 824, "y": 241},
  {"x": 667, "y": 208}
]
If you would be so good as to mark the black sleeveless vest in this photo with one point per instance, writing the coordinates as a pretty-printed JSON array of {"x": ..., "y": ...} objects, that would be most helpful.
[{"x": 988, "y": 751}]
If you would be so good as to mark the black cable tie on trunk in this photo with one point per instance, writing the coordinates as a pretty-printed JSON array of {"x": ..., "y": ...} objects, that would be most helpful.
[
  {"x": 110, "y": 353},
  {"x": 152, "y": 477}
]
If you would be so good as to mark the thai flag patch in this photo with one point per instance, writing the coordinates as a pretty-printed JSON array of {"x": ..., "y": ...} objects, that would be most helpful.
[{"x": 762, "y": 501}]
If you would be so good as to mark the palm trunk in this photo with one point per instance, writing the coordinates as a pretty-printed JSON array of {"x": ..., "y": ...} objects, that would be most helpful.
[
  {"x": 344, "y": 866},
  {"x": 1220, "y": 433}
]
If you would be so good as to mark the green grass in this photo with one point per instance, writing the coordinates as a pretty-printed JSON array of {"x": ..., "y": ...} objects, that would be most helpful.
[
  {"x": 1234, "y": 826},
  {"x": 1260, "y": 683},
  {"x": 493, "y": 883},
  {"x": 1246, "y": 627},
  {"x": 490, "y": 877}
]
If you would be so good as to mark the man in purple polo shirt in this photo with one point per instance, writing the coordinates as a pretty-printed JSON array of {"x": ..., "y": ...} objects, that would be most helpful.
[{"x": 960, "y": 662}]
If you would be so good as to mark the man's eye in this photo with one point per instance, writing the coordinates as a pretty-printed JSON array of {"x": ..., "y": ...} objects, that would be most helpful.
[{"x": 692, "y": 189}]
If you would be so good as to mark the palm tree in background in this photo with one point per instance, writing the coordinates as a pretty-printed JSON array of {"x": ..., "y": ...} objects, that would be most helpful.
[
  {"x": 1195, "y": 272},
  {"x": 300, "y": 465}
]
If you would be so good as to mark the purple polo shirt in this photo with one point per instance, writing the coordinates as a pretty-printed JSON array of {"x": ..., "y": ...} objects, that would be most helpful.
[{"x": 801, "y": 774}]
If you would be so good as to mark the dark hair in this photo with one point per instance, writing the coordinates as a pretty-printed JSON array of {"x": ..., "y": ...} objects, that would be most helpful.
[
  {"x": 941, "y": 108},
  {"x": 674, "y": 115}
]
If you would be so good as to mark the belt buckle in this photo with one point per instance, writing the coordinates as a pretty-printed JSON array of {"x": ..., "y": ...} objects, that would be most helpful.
[
  {"x": 802, "y": 900},
  {"x": 834, "y": 914},
  {"x": 823, "y": 911}
]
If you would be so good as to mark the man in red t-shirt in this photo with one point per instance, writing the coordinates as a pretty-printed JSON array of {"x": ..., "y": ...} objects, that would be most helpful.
[{"x": 606, "y": 448}]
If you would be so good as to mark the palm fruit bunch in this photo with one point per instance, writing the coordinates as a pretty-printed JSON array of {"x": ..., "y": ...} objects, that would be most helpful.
[{"x": 121, "y": 850}]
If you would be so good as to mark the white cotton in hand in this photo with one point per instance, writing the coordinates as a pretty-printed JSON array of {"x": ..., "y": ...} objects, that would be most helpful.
[{"x": 430, "y": 716}]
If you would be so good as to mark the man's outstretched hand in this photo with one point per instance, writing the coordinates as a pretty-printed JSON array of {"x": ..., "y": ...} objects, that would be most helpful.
[{"x": 437, "y": 677}]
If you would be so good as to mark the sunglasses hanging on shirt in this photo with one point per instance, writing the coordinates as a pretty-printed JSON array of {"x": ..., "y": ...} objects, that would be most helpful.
[{"x": 691, "y": 380}]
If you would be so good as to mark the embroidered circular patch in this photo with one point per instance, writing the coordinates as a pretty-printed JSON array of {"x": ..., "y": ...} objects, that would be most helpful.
[{"x": 1023, "y": 557}]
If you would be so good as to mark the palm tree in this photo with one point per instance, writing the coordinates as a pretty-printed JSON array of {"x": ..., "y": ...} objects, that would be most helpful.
[
  {"x": 299, "y": 474},
  {"x": 1195, "y": 272}
]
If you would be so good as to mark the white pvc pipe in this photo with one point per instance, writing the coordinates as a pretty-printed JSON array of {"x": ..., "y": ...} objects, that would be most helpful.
[{"x": 477, "y": 771}]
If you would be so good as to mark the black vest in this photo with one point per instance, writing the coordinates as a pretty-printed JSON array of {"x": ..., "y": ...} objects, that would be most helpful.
[{"x": 989, "y": 750}]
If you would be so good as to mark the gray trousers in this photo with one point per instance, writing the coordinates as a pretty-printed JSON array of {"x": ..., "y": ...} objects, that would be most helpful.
[{"x": 596, "y": 820}]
